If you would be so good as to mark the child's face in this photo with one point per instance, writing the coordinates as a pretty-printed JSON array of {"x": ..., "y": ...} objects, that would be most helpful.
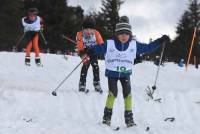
[
  {"x": 123, "y": 38},
  {"x": 32, "y": 16},
  {"x": 88, "y": 31}
]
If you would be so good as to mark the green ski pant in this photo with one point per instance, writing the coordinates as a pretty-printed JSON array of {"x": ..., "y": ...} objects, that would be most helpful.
[{"x": 113, "y": 91}]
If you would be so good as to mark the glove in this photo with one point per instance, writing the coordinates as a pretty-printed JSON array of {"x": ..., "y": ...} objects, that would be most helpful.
[
  {"x": 164, "y": 38},
  {"x": 86, "y": 59}
]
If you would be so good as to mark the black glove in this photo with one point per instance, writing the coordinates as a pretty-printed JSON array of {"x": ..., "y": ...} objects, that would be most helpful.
[{"x": 164, "y": 38}]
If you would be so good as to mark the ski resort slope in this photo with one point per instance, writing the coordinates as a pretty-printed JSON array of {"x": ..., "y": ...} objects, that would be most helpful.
[{"x": 28, "y": 107}]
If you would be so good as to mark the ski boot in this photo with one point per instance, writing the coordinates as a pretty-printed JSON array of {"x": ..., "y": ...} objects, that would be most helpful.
[
  {"x": 129, "y": 119},
  {"x": 27, "y": 61},
  {"x": 107, "y": 116},
  {"x": 38, "y": 61},
  {"x": 82, "y": 86},
  {"x": 97, "y": 87}
]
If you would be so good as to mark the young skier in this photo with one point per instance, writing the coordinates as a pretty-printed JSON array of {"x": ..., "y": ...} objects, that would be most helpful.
[
  {"x": 86, "y": 38},
  {"x": 120, "y": 53},
  {"x": 33, "y": 24}
]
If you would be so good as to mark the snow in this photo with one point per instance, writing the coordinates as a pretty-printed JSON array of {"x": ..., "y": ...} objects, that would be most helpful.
[{"x": 28, "y": 107}]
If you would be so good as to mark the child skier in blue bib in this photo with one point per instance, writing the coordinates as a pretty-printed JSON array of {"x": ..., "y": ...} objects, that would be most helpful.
[{"x": 120, "y": 53}]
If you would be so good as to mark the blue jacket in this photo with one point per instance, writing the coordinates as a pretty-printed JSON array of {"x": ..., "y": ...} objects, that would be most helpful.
[{"x": 141, "y": 48}]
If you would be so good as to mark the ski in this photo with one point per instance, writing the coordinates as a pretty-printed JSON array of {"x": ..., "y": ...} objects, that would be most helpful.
[
  {"x": 86, "y": 91},
  {"x": 99, "y": 91},
  {"x": 147, "y": 128},
  {"x": 27, "y": 64},
  {"x": 39, "y": 64},
  {"x": 117, "y": 128},
  {"x": 114, "y": 128}
]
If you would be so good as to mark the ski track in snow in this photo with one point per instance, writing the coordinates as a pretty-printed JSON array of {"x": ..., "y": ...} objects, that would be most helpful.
[{"x": 27, "y": 106}]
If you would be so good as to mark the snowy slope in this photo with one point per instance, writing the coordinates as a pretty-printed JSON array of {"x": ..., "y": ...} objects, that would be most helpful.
[{"x": 27, "y": 106}]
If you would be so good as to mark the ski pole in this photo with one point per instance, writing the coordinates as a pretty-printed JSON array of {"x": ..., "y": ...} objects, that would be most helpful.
[
  {"x": 45, "y": 42},
  {"x": 67, "y": 38},
  {"x": 191, "y": 47},
  {"x": 54, "y": 91},
  {"x": 161, "y": 57},
  {"x": 20, "y": 40}
]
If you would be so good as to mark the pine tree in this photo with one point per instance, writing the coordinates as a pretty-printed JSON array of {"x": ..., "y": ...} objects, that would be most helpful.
[
  {"x": 189, "y": 20},
  {"x": 195, "y": 18},
  {"x": 109, "y": 16},
  {"x": 10, "y": 22}
]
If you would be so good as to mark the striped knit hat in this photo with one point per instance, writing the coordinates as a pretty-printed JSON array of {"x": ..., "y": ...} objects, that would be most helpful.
[{"x": 123, "y": 26}]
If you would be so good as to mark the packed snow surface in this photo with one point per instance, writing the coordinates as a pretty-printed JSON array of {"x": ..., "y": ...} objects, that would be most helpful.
[{"x": 28, "y": 107}]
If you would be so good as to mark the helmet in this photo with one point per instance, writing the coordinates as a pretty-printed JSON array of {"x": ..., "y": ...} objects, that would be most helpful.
[
  {"x": 33, "y": 11},
  {"x": 89, "y": 22}
]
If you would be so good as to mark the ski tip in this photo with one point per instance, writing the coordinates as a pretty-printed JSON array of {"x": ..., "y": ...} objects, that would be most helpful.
[
  {"x": 148, "y": 128},
  {"x": 117, "y": 128},
  {"x": 39, "y": 65},
  {"x": 28, "y": 65},
  {"x": 101, "y": 92},
  {"x": 87, "y": 91},
  {"x": 84, "y": 91}
]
